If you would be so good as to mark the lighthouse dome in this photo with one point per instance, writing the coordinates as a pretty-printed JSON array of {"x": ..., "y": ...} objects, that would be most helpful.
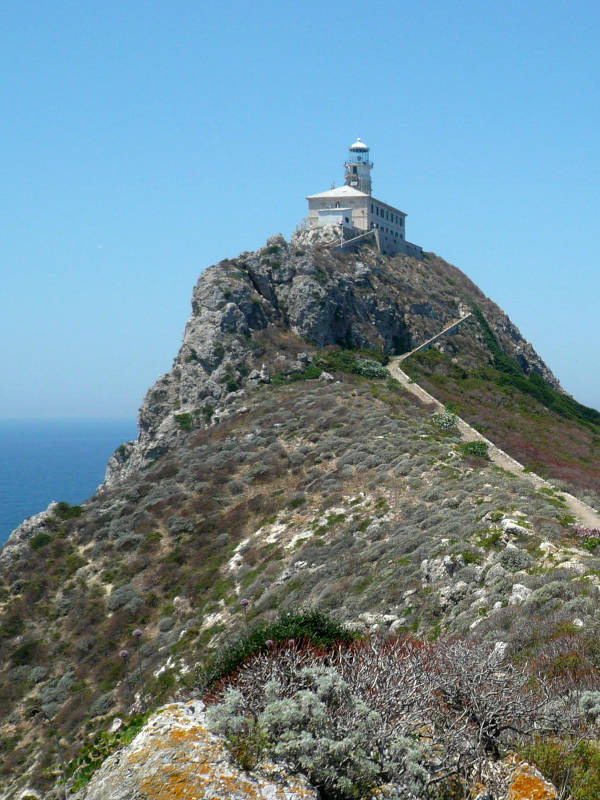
[{"x": 359, "y": 146}]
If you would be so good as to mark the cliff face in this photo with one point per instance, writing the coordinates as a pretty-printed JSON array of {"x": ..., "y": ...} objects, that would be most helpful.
[{"x": 244, "y": 310}]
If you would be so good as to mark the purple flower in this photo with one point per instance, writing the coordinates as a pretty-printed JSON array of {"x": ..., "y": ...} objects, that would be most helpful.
[
  {"x": 137, "y": 634},
  {"x": 269, "y": 643},
  {"x": 124, "y": 655},
  {"x": 291, "y": 642},
  {"x": 244, "y": 602}
]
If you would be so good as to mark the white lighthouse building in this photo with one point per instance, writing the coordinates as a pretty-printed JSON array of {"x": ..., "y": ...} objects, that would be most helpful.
[{"x": 353, "y": 206}]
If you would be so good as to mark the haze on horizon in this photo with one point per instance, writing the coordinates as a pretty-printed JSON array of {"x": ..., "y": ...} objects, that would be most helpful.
[{"x": 144, "y": 143}]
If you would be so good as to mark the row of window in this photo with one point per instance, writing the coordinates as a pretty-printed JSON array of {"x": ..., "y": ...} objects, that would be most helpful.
[
  {"x": 382, "y": 212},
  {"x": 387, "y": 230}
]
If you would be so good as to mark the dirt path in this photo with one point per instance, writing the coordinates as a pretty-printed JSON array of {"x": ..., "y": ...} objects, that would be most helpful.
[{"x": 584, "y": 514}]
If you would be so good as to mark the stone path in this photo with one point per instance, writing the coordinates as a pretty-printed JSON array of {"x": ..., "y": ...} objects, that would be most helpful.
[{"x": 584, "y": 514}]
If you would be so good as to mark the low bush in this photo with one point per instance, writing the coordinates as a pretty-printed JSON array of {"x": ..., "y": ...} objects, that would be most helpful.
[
  {"x": 476, "y": 448},
  {"x": 311, "y": 626},
  {"x": 184, "y": 421},
  {"x": 358, "y": 362},
  {"x": 354, "y": 718},
  {"x": 39, "y": 540},
  {"x": 67, "y": 511},
  {"x": 445, "y": 421}
]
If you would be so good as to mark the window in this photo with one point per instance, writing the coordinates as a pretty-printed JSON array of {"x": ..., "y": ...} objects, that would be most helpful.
[
  {"x": 371, "y": 208},
  {"x": 354, "y": 170}
]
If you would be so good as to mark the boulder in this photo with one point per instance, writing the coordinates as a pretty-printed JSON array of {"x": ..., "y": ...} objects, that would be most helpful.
[
  {"x": 519, "y": 594},
  {"x": 175, "y": 756}
]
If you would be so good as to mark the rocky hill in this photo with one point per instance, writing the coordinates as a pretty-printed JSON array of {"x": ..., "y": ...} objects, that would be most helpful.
[{"x": 280, "y": 467}]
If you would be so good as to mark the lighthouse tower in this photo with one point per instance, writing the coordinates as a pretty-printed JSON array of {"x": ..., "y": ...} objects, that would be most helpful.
[{"x": 358, "y": 167}]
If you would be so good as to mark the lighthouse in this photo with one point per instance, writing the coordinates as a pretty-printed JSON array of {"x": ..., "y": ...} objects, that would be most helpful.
[
  {"x": 358, "y": 167},
  {"x": 353, "y": 208}
]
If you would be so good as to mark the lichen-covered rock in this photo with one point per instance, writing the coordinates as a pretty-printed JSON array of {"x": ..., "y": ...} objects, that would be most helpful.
[
  {"x": 175, "y": 757},
  {"x": 528, "y": 783}
]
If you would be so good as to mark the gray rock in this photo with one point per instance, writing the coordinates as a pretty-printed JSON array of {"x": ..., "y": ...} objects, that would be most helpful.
[
  {"x": 326, "y": 377},
  {"x": 436, "y": 570},
  {"x": 494, "y": 573},
  {"x": 512, "y": 527},
  {"x": 519, "y": 594},
  {"x": 102, "y": 704},
  {"x": 452, "y": 594},
  {"x": 165, "y": 624}
]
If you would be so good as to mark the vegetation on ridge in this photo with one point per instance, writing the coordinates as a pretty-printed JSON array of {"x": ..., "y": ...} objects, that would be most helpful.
[{"x": 343, "y": 496}]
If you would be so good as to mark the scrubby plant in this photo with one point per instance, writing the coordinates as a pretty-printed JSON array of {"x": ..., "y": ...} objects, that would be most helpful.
[
  {"x": 92, "y": 755},
  {"x": 355, "y": 717},
  {"x": 40, "y": 540},
  {"x": 184, "y": 421},
  {"x": 588, "y": 537},
  {"x": 445, "y": 421},
  {"x": 369, "y": 368},
  {"x": 66, "y": 511},
  {"x": 369, "y": 364},
  {"x": 311, "y": 626},
  {"x": 476, "y": 448},
  {"x": 323, "y": 730}
]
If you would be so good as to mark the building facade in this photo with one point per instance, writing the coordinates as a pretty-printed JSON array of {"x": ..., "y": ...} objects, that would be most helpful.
[{"x": 353, "y": 206}]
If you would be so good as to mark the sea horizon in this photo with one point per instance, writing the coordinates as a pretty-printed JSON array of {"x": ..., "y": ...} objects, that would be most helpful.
[{"x": 52, "y": 459}]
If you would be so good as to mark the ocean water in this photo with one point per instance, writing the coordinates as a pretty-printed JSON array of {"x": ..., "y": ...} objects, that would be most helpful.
[{"x": 45, "y": 460}]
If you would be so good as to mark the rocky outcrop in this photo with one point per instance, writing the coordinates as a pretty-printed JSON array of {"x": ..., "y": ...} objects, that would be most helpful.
[
  {"x": 18, "y": 541},
  {"x": 305, "y": 295},
  {"x": 175, "y": 757}
]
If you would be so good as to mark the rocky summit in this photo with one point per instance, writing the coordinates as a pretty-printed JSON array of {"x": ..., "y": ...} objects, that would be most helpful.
[{"x": 305, "y": 506}]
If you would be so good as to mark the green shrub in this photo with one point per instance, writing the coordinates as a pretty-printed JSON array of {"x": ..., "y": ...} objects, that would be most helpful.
[
  {"x": 477, "y": 448},
  {"x": 312, "y": 626},
  {"x": 567, "y": 520},
  {"x": 271, "y": 250},
  {"x": 357, "y": 362},
  {"x": 185, "y": 421},
  {"x": 25, "y": 653},
  {"x": 509, "y": 372},
  {"x": 445, "y": 421},
  {"x": 207, "y": 412},
  {"x": 310, "y": 373},
  {"x": 39, "y": 540},
  {"x": 67, "y": 511}
]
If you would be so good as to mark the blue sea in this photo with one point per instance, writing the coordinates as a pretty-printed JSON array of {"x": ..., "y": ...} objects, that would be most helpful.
[{"x": 45, "y": 460}]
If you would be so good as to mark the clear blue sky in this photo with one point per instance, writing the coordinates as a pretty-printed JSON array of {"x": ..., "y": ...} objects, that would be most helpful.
[{"x": 143, "y": 141}]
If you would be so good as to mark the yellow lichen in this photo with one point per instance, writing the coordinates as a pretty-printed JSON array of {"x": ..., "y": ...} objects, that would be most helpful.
[{"x": 529, "y": 784}]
